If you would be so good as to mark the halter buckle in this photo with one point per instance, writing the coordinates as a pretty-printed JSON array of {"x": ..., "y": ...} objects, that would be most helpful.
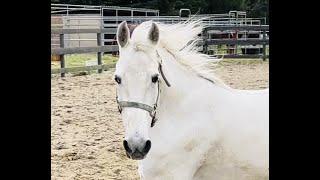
[{"x": 119, "y": 108}]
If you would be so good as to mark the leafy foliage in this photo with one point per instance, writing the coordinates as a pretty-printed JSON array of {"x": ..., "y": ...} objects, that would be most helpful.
[{"x": 255, "y": 8}]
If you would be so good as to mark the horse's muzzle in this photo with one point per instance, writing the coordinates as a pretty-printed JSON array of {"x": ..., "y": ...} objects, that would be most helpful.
[{"x": 137, "y": 152}]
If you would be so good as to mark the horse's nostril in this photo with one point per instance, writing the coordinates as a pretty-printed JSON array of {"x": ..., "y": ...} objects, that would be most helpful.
[
  {"x": 147, "y": 147},
  {"x": 126, "y": 146}
]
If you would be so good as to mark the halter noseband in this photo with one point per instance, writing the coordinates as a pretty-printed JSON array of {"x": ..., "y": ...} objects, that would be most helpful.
[{"x": 146, "y": 107}]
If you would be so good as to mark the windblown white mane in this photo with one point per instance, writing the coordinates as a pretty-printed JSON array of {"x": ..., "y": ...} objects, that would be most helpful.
[{"x": 184, "y": 48}]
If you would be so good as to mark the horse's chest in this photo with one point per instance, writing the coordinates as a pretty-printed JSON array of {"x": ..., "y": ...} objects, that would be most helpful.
[
  {"x": 169, "y": 159},
  {"x": 177, "y": 149},
  {"x": 169, "y": 166}
]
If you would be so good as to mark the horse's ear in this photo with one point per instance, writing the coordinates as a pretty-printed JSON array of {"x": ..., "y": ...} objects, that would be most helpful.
[
  {"x": 123, "y": 34},
  {"x": 154, "y": 33}
]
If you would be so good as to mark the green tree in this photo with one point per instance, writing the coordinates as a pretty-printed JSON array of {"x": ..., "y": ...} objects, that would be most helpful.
[{"x": 255, "y": 8}]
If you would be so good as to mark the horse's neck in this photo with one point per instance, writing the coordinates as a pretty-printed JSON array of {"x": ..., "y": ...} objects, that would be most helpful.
[
  {"x": 184, "y": 84},
  {"x": 184, "y": 105}
]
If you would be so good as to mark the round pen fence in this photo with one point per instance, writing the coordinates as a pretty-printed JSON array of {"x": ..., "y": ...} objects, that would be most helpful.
[{"x": 77, "y": 29}]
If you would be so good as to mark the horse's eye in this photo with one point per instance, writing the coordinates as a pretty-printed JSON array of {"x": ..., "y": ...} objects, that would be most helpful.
[
  {"x": 154, "y": 78},
  {"x": 117, "y": 79}
]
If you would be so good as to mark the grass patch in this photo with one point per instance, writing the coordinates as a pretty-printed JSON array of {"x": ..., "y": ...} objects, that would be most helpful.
[
  {"x": 222, "y": 49},
  {"x": 79, "y": 60}
]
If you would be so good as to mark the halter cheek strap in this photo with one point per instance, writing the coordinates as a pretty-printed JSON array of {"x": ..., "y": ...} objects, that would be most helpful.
[{"x": 163, "y": 76}]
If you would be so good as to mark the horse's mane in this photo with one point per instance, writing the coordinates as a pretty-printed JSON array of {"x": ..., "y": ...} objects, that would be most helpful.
[{"x": 180, "y": 40}]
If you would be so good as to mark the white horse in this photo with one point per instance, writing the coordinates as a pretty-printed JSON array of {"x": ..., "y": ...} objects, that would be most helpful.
[{"x": 181, "y": 122}]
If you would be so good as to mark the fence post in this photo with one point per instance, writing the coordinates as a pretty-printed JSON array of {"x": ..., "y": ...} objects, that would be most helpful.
[
  {"x": 62, "y": 61},
  {"x": 264, "y": 49},
  {"x": 205, "y": 45},
  {"x": 99, "y": 54},
  {"x": 236, "y": 45}
]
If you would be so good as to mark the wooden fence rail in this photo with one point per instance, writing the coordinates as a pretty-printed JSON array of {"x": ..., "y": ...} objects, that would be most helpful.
[
  {"x": 238, "y": 28},
  {"x": 83, "y": 31},
  {"x": 100, "y": 48},
  {"x": 81, "y": 50},
  {"x": 78, "y": 50},
  {"x": 237, "y": 41},
  {"x": 243, "y": 41}
]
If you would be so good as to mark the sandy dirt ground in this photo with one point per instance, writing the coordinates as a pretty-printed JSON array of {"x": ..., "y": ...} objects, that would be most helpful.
[{"x": 86, "y": 130}]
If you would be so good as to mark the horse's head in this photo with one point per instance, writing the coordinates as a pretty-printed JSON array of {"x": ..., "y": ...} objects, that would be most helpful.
[{"x": 137, "y": 77}]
